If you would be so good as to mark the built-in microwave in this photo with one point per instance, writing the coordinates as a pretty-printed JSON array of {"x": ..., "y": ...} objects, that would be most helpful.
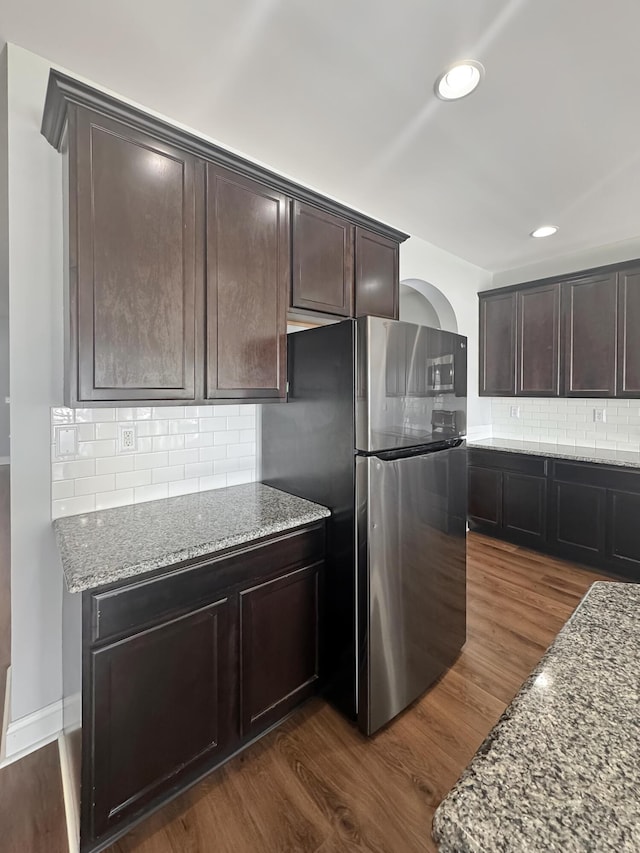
[{"x": 441, "y": 374}]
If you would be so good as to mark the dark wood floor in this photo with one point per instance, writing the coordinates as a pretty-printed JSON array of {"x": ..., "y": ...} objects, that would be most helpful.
[
  {"x": 5, "y": 581},
  {"x": 316, "y": 784}
]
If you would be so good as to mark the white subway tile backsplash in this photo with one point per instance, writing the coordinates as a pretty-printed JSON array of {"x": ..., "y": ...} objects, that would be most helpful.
[
  {"x": 151, "y": 460},
  {"x": 168, "y": 474},
  {"x": 241, "y": 422},
  {"x": 228, "y": 437},
  {"x": 62, "y": 489},
  {"x": 96, "y": 448},
  {"x": 217, "y": 481},
  {"x": 119, "y": 497},
  {"x": 198, "y": 469},
  {"x": 150, "y": 493},
  {"x": 71, "y": 470},
  {"x": 93, "y": 485},
  {"x": 180, "y": 449},
  {"x": 73, "y": 506},
  {"x": 213, "y": 424},
  {"x": 183, "y": 457},
  {"x": 183, "y": 487},
  {"x": 569, "y": 421},
  {"x": 115, "y": 464},
  {"x": 131, "y": 479}
]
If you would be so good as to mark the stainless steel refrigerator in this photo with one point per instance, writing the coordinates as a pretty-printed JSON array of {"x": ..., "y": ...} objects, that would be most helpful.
[{"x": 373, "y": 429}]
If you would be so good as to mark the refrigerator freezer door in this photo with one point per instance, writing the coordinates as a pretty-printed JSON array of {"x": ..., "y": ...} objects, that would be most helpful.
[
  {"x": 397, "y": 365},
  {"x": 411, "y": 532}
]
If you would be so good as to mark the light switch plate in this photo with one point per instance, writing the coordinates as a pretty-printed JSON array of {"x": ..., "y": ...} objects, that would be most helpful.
[{"x": 66, "y": 440}]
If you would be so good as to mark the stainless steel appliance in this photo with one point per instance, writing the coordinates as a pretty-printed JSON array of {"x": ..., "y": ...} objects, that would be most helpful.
[
  {"x": 441, "y": 374},
  {"x": 358, "y": 435},
  {"x": 445, "y": 423}
]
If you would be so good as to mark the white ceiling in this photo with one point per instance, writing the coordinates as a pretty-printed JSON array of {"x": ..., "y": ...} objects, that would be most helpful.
[{"x": 338, "y": 94}]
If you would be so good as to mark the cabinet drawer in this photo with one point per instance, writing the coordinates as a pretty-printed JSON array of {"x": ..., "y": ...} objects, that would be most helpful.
[
  {"x": 519, "y": 463},
  {"x": 124, "y": 609},
  {"x": 626, "y": 479}
]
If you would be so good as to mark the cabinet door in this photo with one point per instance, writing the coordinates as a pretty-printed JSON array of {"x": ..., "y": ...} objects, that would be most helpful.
[
  {"x": 628, "y": 333},
  {"x": 132, "y": 333},
  {"x": 498, "y": 345},
  {"x": 524, "y": 505},
  {"x": 248, "y": 273},
  {"x": 322, "y": 261},
  {"x": 623, "y": 541},
  {"x": 162, "y": 706},
  {"x": 590, "y": 314},
  {"x": 278, "y": 647},
  {"x": 578, "y": 519},
  {"x": 538, "y": 359},
  {"x": 485, "y": 496},
  {"x": 377, "y": 275}
]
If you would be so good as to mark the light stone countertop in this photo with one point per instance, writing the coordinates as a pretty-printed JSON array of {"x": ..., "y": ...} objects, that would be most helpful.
[
  {"x": 560, "y": 771},
  {"x": 98, "y": 548},
  {"x": 624, "y": 458}
]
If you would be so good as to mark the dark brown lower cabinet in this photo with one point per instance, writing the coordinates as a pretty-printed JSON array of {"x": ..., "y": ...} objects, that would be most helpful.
[
  {"x": 585, "y": 512},
  {"x": 161, "y": 707},
  {"x": 183, "y": 668},
  {"x": 279, "y": 646},
  {"x": 510, "y": 499}
]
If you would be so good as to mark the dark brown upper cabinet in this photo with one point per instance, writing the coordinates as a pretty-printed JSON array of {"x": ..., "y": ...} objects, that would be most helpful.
[
  {"x": 573, "y": 336},
  {"x": 248, "y": 275},
  {"x": 538, "y": 341},
  {"x": 629, "y": 332},
  {"x": 322, "y": 261},
  {"x": 377, "y": 275},
  {"x": 179, "y": 259},
  {"x": 498, "y": 344},
  {"x": 132, "y": 262},
  {"x": 590, "y": 314}
]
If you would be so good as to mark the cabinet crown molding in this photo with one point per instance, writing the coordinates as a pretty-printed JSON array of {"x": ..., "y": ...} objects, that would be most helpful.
[{"x": 64, "y": 91}]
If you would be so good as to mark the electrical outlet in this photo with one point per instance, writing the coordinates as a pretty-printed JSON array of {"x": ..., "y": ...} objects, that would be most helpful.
[
  {"x": 514, "y": 412},
  {"x": 600, "y": 416},
  {"x": 66, "y": 441},
  {"x": 127, "y": 439}
]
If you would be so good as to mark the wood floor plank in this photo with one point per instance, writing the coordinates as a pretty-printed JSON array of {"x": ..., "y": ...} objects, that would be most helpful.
[
  {"x": 316, "y": 785},
  {"x": 31, "y": 807}
]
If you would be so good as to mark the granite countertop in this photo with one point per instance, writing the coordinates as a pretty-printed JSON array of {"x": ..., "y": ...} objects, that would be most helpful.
[
  {"x": 114, "y": 544},
  {"x": 561, "y": 769},
  {"x": 625, "y": 458}
]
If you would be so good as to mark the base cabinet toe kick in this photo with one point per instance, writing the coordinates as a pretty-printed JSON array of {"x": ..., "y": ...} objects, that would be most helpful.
[
  {"x": 587, "y": 512},
  {"x": 170, "y": 674}
]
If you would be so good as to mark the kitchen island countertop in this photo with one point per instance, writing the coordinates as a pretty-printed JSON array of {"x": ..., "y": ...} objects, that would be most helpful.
[
  {"x": 110, "y": 545},
  {"x": 560, "y": 771}
]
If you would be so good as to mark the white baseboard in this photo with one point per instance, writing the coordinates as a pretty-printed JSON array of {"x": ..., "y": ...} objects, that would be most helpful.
[
  {"x": 33, "y": 731},
  {"x": 5, "y": 715},
  {"x": 71, "y": 796},
  {"x": 5, "y": 460}
]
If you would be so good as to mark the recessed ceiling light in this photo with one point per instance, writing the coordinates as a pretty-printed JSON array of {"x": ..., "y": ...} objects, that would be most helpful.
[
  {"x": 544, "y": 231},
  {"x": 459, "y": 80}
]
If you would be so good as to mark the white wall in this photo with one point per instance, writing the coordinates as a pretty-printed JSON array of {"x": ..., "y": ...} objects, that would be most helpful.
[
  {"x": 4, "y": 263},
  {"x": 614, "y": 253},
  {"x": 35, "y": 313},
  {"x": 459, "y": 281},
  {"x": 416, "y": 308}
]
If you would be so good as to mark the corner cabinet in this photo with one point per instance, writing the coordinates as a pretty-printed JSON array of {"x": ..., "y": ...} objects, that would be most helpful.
[
  {"x": 179, "y": 259},
  {"x": 181, "y": 669}
]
